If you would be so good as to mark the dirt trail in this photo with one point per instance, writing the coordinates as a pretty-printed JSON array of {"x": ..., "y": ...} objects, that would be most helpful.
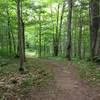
[{"x": 66, "y": 85}]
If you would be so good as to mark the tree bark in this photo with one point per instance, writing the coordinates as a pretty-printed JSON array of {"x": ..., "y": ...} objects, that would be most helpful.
[
  {"x": 60, "y": 27},
  {"x": 20, "y": 37},
  {"x": 69, "y": 20},
  {"x": 80, "y": 34},
  {"x": 40, "y": 47},
  {"x": 9, "y": 33},
  {"x": 94, "y": 28},
  {"x": 56, "y": 38}
]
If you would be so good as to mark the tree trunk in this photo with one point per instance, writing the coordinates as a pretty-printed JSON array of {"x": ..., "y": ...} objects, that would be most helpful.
[
  {"x": 98, "y": 35},
  {"x": 69, "y": 44},
  {"x": 20, "y": 37},
  {"x": 56, "y": 41},
  {"x": 9, "y": 33},
  {"x": 23, "y": 31},
  {"x": 60, "y": 27},
  {"x": 94, "y": 28},
  {"x": 40, "y": 47},
  {"x": 23, "y": 35},
  {"x": 80, "y": 34}
]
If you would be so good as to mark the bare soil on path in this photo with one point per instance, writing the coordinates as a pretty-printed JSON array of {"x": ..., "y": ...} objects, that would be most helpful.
[{"x": 65, "y": 86}]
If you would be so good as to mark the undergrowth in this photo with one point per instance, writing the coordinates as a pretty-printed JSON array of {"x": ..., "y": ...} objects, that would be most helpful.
[
  {"x": 88, "y": 71},
  {"x": 13, "y": 83}
]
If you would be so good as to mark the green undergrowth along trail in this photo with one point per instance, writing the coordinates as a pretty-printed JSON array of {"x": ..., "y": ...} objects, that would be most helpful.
[
  {"x": 89, "y": 71},
  {"x": 13, "y": 83}
]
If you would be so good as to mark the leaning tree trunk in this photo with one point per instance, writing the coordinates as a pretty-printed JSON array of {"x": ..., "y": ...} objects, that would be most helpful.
[{"x": 69, "y": 44}]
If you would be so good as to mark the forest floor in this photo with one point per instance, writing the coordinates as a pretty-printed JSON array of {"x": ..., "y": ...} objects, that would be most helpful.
[{"x": 65, "y": 84}]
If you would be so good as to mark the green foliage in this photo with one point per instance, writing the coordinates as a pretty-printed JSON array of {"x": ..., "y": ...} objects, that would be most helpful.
[
  {"x": 58, "y": 58},
  {"x": 47, "y": 11},
  {"x": 89, "y": 71}
]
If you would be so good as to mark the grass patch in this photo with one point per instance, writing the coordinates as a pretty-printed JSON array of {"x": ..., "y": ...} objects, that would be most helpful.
[{"x": 89, "y": 71}]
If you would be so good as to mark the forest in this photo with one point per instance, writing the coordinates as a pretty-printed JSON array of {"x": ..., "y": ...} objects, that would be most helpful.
[{"x": 49, "y": 49}]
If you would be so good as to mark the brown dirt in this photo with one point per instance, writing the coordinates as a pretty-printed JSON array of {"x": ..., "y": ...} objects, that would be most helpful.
[{"x": 65, "y": 86}]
